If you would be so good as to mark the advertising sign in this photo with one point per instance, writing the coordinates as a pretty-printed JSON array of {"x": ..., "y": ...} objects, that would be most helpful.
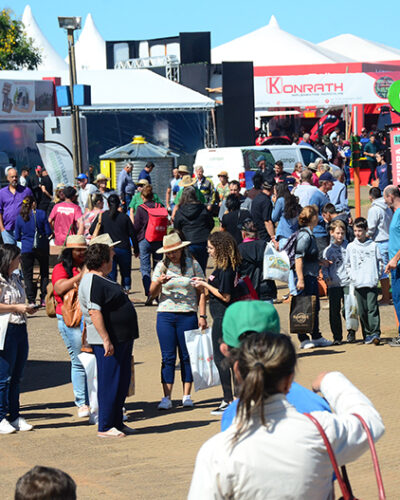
[
  {"x": 57, "y": 160},
  {"x": 324, "y": 90},
  {"x": 26, "y": 99},
  {"x": 395, "y": 150}
]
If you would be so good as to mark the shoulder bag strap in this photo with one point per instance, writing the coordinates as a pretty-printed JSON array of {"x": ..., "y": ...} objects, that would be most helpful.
[
  {"x": 347, "y": 495},
  {"x": 98, "y": 226},
  {"x": 378, "y": 475}
]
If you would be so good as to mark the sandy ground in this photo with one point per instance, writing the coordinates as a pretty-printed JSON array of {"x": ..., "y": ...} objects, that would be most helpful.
[{"x": 157, "y": 462}]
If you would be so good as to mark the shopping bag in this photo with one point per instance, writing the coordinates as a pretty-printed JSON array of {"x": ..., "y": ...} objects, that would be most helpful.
[
  {"x": 199, "y": 346},
  {"x": 302, "y": 313},
  {"x": 276, "y": 264},
  {"x": 351, "y": 309},
  {"x": 89, "y": 364}
]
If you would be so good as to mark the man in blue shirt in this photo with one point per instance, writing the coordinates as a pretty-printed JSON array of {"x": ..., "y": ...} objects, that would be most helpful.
[
  {"x": 260, "y": 317},
  {"x": 320, "y": 198},
  {"x": 145, "y": 173},
  {"x": 126, "y": 186},
  {"x": 338, "y": 193}
]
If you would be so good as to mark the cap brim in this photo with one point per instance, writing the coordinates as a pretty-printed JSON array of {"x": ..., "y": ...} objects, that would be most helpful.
[{"x": 166, "y": 250}]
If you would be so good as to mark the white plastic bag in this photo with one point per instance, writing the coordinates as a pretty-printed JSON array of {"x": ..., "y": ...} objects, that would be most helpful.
[
  {"x": 276, "y": 264},
  {"x": 351, "y": 310},
  {"x": 199, "y": 346},
  {"x": 89, "y": 364}
]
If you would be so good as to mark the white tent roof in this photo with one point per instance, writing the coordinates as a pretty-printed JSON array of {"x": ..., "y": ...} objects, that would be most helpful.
[
  {"x": 51, "y": 60},
  {"x": 361, "y": 49},
  {"x": 271, "y": 46},
  {"x": 90, "y": 49},
  {"x": 114, "y": 89}
]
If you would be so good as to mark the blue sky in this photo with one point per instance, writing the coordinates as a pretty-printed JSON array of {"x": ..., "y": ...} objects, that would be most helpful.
[{"x": 226, "y": 19}]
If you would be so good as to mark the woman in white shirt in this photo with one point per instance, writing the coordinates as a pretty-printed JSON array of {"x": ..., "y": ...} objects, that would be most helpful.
[{"x": 271, "y": 450}]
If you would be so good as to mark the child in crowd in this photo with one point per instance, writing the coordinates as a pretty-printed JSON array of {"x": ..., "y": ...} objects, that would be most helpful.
[
  {"x": 337, "y": 280},
  {"x": 364, "y": 265}
]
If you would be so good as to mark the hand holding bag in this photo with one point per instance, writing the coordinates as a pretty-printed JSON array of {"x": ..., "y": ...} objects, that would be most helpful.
[
  {"x": 71, "y": 310},
  {"x": 204, "y": 370}
]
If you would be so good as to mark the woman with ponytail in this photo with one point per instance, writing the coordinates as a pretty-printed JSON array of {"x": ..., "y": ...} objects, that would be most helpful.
[{"x": 271, "y": 450}]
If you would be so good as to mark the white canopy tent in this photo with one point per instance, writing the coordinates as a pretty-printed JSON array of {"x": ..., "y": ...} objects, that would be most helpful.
[
  {"x": 90, "y": 49},
  {"x": 360, "y": 49},
  {"x": 271, "y": 46},
  {"x": 115, "y": 89},
  {"x": 51, "y": 60}
]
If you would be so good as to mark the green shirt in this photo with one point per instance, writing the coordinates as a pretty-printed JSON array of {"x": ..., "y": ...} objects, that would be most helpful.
[
  {"x": 138, "y": 200},
  {"x": 199, "y": 195}
]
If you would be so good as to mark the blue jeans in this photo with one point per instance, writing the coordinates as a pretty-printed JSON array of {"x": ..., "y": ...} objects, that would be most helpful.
[
  {"x": 311, "y": 288},
  {"x": 199, "y": 252},
  {"x": 113, "y": 378},
  {"x": 384, "y": 251},
  {"x": 8, "y": 237},
  {"x": 170, "y": 331},
  {"x": 396, "y": 292},
  {"x": 12, "y": 363},
  {"x": 147, "y": 250},
  {"x": 72, "y": 338},
  {"x": 123, "y": 258}
]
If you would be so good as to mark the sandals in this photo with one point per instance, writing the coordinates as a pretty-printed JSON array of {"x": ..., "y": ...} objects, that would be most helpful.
[{"x": 111, "y": 433}]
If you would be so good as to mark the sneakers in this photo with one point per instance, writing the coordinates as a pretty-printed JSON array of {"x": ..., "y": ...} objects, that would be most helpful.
[
  {"x": 83, "y": 411},
  {"x": 165, "y": 404},
  {"x": 372, "y": 339},
  {"x": 20, "y": 424},
  {"x": 6, "y": 427},
  {"x": 187, "y": 402},
  {"x": 322, "y": 342},
  {"x": 221, "y": 408},
  {"x": 395, "y": 342},
  {"x": 93, "y": 419},
  {"x": 307, "y": 344},
  {"x": 125, "y": 417},
  {"x": 337, "y": 342},
  {"x": 351, "y": 336}
]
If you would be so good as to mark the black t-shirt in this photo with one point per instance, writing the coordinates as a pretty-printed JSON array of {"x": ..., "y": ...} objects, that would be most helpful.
[
  {"x": 42, "y": 200},
  {"x": 119, "y": 315},
  {"x": 224, "y": 281},
  {"x": 261, "y": 211},
  {"x": 233, "y": 221}
]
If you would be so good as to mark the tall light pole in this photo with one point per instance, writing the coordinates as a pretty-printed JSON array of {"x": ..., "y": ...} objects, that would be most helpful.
[{"x": 70, "y": 24}]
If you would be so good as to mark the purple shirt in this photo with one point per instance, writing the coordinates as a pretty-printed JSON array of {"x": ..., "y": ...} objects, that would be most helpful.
[{"x": 10, "y": 204}]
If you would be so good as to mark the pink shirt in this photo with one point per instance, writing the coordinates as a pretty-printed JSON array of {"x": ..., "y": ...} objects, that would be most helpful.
[{"x": 64, "y": 215}]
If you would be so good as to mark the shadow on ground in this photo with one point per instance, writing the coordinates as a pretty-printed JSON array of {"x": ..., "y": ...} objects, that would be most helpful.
[{"x": 40, "y": 375}]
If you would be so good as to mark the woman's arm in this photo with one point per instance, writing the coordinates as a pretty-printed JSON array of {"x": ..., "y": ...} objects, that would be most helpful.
[
  {"x": 62, "y": 286},
  {"x": 98, "y": 321},
  {"x": 202, "y": 284},
  {"x": 156, "y": 286},
  {"x": 202, "y": 308},
  {"x": 16, "y": 309},
  {"x": 298, "y": 263}
]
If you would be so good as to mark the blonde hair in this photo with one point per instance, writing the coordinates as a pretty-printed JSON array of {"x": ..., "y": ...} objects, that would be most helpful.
[
  {"x": 307, "y": 215},
  {"x": 226, "y": 250},
  {"x": 337, "y": 223}
]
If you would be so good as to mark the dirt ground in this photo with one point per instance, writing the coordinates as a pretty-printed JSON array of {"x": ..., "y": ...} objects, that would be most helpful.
[{"x": 157, "y": 462}]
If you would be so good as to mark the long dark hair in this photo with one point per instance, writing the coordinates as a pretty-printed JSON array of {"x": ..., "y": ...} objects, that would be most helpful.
[
  {"x": 7, "y": 254},
  {"x": 67, "y": 261},
  {"x": 113, "y": 202},
  {"x": 188, "y": 196},
  {"x": 184, "y": 255},
  {"x": 26, "y": 207},
  {"x": 292, "y": 208}
]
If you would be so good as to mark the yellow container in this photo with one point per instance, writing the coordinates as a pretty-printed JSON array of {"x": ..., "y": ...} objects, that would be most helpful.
[{"x": 109, "y": 169}]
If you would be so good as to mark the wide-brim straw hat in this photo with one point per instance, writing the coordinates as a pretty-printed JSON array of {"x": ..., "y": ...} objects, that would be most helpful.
[
  {"x": 183, "y": 168},
  {"x": 75, "y": 241},
  {"x": 312, "y": 167},
  {"x": 186, "y": 181},
  {"x": 103, "y": 239},
  {"x": 172, "y": 242},
  {"x": 101, "y": 177}
]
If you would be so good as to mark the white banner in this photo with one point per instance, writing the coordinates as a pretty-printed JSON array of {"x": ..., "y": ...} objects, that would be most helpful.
[
  {"x": 26, "y": 99},
  {"x": 57, "y": 160},
  {"x": 324, "y": 90}
]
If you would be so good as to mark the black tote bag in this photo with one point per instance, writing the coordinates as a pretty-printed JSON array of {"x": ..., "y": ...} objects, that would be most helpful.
[{"x": 302, "y": 313}]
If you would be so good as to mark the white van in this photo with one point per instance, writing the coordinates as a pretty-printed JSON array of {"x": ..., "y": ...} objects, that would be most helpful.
[{"x": 240, "y": 162}]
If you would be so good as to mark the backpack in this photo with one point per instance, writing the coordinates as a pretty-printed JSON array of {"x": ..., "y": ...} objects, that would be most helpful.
[
  {"x": 290, "y": 248},
  {"x": 50, "y": 301},
  {"x": 158, "y": 222},
  {"x": 244, "y": 289}
]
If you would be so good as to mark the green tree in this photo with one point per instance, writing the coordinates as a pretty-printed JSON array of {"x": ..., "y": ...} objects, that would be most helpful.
[{"x": 16, "y": 49}]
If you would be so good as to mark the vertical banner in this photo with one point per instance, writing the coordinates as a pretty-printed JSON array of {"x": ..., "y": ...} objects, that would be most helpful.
[
  {"x": 395, "y": 151},
  {"x": 57, "y": 160}
]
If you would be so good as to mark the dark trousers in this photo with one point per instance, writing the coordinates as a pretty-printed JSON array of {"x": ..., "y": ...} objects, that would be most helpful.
[
  {"x": 336, "y": 308},
  {"x": 123, "y": 258},
  {"x": 12, "y": 363},
  {"x": 200, "y": 253},
  {"x": 27, "y": 262},
  {"x": 113, "y": 378},
  {"x": 224, "y": 372},
  {"x": 171, "y": 329},
  {"x": 311, "y": 288},
  {"x": 368, "y": 310},
  {"x": 396, "y": 292},
  {"x": 372, "y": 168}
]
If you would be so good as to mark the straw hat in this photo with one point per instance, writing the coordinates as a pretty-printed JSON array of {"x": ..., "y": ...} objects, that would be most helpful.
[
  {"x": 186, "y": 181},
  {"x": 223, "y": 173},
  {"x": 184, "y": 169},
  {"x": 142, "y": 182},
  {"x": 101, "y": 177},
  {"x": 104, "y": 239},
  {"x": 312, "y": 167},
  {"x": 75, "y": 241},
  {"x": 172, "y": 242}
]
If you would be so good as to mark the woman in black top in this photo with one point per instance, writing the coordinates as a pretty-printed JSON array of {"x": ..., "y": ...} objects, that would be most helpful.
[
  {"x": 120, "y": 228},
  {"x": 221, "y": 284},
  {"x": 234, "y": 219},
  {"x": 195, "y": 222},
  {"x": 111, "y": 327}
]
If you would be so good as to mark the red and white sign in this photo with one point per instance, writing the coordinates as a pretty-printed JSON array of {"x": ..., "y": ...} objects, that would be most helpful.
[
  {"x": 395, "y": 151},
  {"x": 323, "y": 90}
]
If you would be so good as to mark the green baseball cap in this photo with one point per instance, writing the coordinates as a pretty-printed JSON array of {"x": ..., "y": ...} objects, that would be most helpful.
[{"x": 248, "y": 316}]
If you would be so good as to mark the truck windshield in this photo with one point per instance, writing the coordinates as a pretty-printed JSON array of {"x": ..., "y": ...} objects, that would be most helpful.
[{"x": 309, "y": 156}]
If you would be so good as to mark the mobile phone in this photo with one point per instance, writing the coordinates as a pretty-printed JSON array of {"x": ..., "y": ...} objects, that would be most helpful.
[{"x": 37, "y": 306}]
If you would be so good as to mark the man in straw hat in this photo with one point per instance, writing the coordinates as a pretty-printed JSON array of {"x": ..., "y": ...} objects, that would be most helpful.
[
  {"x": 101, "y": 184},
  {"x": 185, "y": 182},
  {"x": 223, "y": 186}
]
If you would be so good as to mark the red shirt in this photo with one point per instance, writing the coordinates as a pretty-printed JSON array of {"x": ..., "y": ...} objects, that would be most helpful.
[{"x": 59, "y": 273}]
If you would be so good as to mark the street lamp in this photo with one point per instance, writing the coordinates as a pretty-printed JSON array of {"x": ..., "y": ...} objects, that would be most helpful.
[{"x": 70, "y": 24}]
